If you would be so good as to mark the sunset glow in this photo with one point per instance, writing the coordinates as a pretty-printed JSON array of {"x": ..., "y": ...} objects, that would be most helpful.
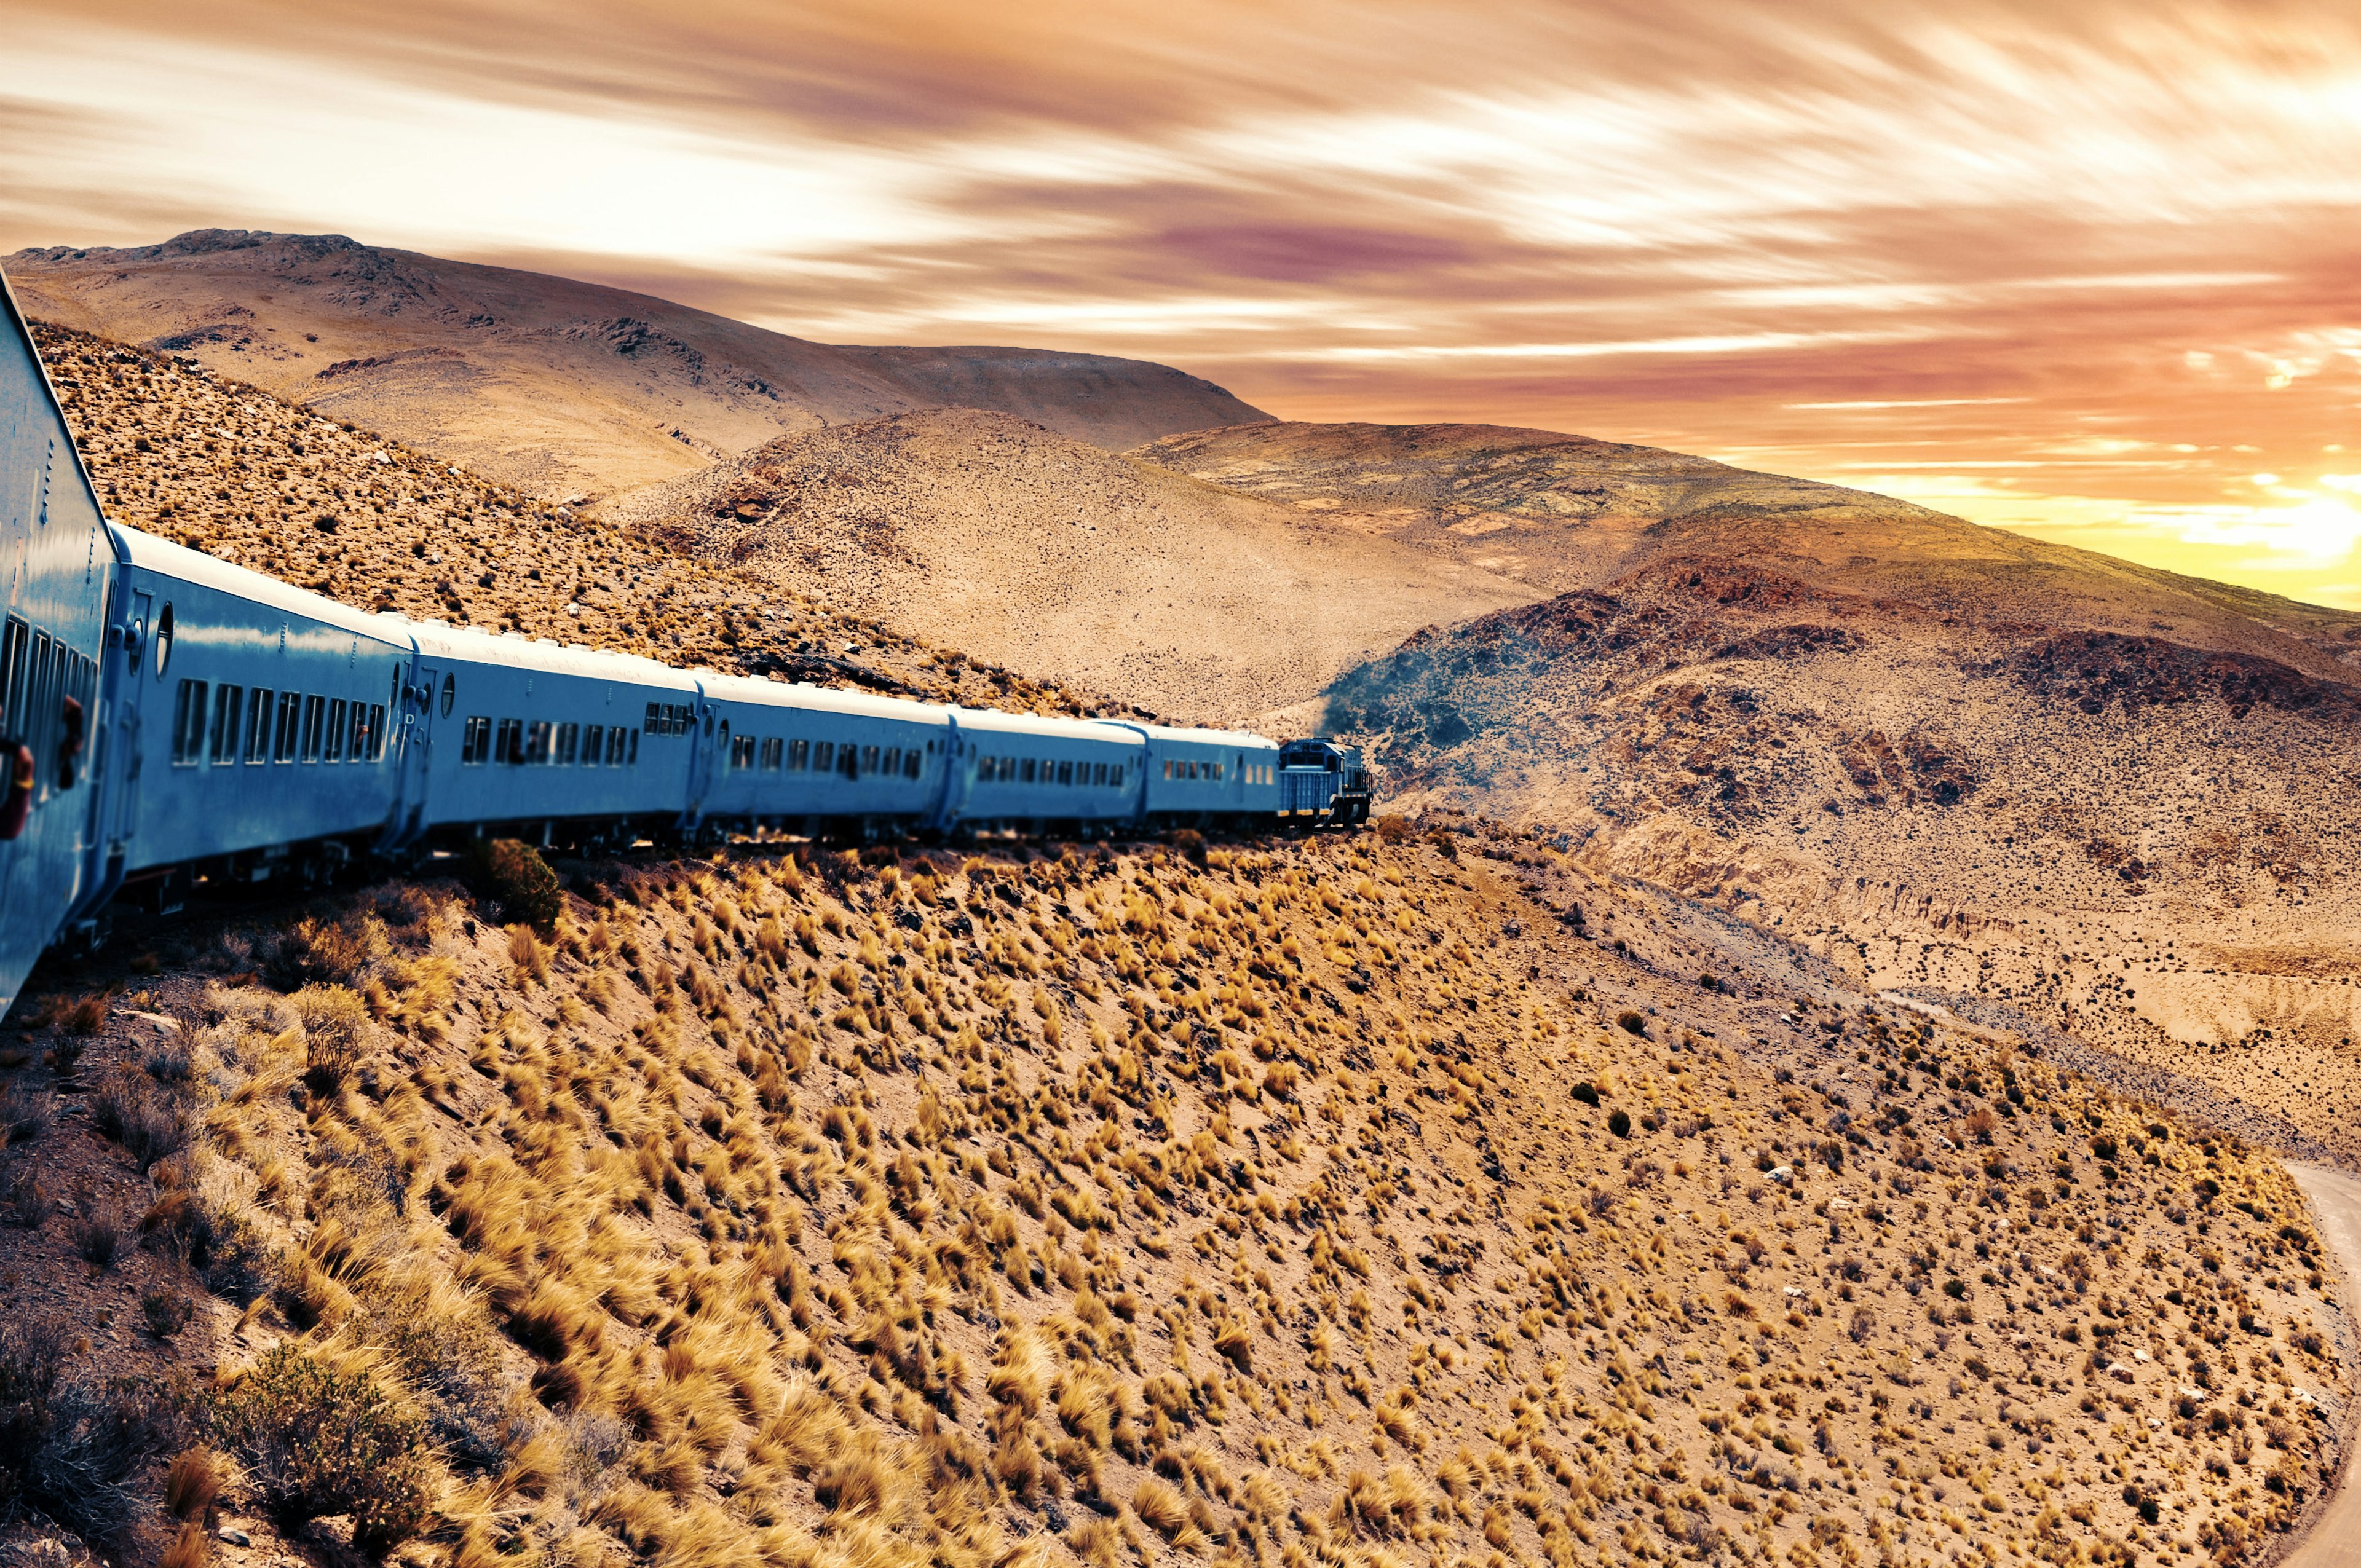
[{"x": 2083, "y": 271}]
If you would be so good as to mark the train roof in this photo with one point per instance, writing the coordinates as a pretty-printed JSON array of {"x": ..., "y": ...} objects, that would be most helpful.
[
  {"x": 820, "y": 699},
  {"x": 512, "y": 652},
  {"x": 992, "y": 720},
  {"x": 1193, "y": 737},
  {"x": 151, "y": 554}
]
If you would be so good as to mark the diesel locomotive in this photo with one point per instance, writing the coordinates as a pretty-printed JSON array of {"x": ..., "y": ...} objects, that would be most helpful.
[{"x": 169, "y": 719}]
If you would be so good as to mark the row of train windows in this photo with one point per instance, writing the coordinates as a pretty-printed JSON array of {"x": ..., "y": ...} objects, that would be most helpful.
[
  {"x": 46, "y": 691},
  {"x": 773, "y": 753},
  {"x": 670, "y": 718},
  {"x": 1190, "y": 768},
  {"x": 539, "y": 742},
  {"x": 1048, "y": 770},
  {"x": 259, "y": 725}
]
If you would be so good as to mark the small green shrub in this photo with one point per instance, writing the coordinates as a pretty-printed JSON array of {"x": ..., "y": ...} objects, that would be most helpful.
[
  {"x": 320, "y": 1442},
  {"x": 515, "y": 874},
  {"x": 1631, "y": 1024},
  {"x": 1619, "y": 1123}
]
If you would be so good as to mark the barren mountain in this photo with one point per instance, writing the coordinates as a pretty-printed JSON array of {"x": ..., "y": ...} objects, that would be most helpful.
[
  {"x": 989, "y": 534},
  {"x": 1565, "y": 511},
  {"x": 547, "y": 383}
]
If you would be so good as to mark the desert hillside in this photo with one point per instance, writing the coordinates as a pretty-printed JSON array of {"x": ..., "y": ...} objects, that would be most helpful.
[
  {"x": 1346, "y": 1202},
  {"x": 230, "y": 469},
  {"x": 994, "y": 535},
  {"x": 548, "y": 384},
  {"x": 2143, "y": 845}
]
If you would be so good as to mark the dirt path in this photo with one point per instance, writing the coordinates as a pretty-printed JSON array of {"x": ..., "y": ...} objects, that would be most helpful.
[{"x": 2335, "y": 1540}]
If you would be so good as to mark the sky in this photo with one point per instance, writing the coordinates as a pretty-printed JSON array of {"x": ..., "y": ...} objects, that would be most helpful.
[{"x": 2091, "y": 271}]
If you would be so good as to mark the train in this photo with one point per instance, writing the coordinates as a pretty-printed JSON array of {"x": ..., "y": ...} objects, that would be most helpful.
[{"x": 170, "y": 721}]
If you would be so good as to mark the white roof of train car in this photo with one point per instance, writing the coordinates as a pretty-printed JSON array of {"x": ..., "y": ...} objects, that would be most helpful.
[
  {"x": 816, "y": 700},
  {"x": 434, "y": 638},
  {"x": 151, "y": 554},
  {"x": 1194, "y": 737},
  {"x": 992, "y": 720}
]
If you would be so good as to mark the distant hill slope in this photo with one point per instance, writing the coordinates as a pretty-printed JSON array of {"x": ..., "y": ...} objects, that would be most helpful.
[
  {"x": 547, "y": 383},
  {"x": 1565, "y": 511},
  {"x": 986, "y": 533}
]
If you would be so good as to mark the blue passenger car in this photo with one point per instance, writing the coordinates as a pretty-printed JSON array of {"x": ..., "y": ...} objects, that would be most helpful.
[
  {"x": 1196, "y": 777},
  {"x": 550, "y": 743},
  {"x": 256, "y": 720},
  {"x": 1023, "y": 773},
  {"x": 807, "y": 759}
]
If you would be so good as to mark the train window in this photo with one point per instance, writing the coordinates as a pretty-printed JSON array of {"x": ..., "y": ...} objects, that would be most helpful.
[
  {"x": 742, "y": 750},
  {"x": 910, "y": 763},
  {"x": 618, "y": 747},
  {"x": 315, "y": 710},
  {"x": 538, "y": 740},
  {"x": 450, "y": 694},
  {"x": 868, "y": 762},
  {"x": 189, "y": 724},
  {"x": 774, "y": 751},
  {"x": 1023, "y": 770},
  {"x": 332, "y": 749},
  {"x": 358, "y": 750},
  {"x": 223, "y": 734},
  {"x": 652, "y": 719},
  {"x": 258, "y": 725},
  {"x": 377, "y": 731},
  {"x": 893, "y": 763},
  {"x": 799, "y": 755},
  {"x": 291, "y": 717},
  {"x": 569, "y": 739},
  {"x": 634, "y": 760},
  {"x": 824, "y": 757},
  {"x": 1065, "y": 773},
  {"x": 164, "y": 642},
  {"x": 12, "y": 670},
  {"x": 507, "y": 744}
]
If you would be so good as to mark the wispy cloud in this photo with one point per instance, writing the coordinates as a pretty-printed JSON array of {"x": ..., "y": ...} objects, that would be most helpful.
[{"x": 2103, "y": 248}]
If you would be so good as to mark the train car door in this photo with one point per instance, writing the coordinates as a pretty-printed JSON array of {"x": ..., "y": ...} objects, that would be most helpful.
[{"x": 419, "y": 691}]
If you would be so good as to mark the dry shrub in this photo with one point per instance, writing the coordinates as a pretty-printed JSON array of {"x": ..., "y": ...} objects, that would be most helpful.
[
  {"x": 335, "y": 1034},
  {"x": 70, "y": 1441},
  {"x": 127, "y": 1109},
  {"x": 24, "y": 1115}
]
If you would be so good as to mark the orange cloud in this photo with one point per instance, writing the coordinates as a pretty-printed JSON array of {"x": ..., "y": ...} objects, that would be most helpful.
[{"x": 2083, "y": 270}]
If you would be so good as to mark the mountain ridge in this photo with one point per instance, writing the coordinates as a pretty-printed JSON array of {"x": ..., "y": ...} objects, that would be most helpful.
[{"x": 555, "y": 385}]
